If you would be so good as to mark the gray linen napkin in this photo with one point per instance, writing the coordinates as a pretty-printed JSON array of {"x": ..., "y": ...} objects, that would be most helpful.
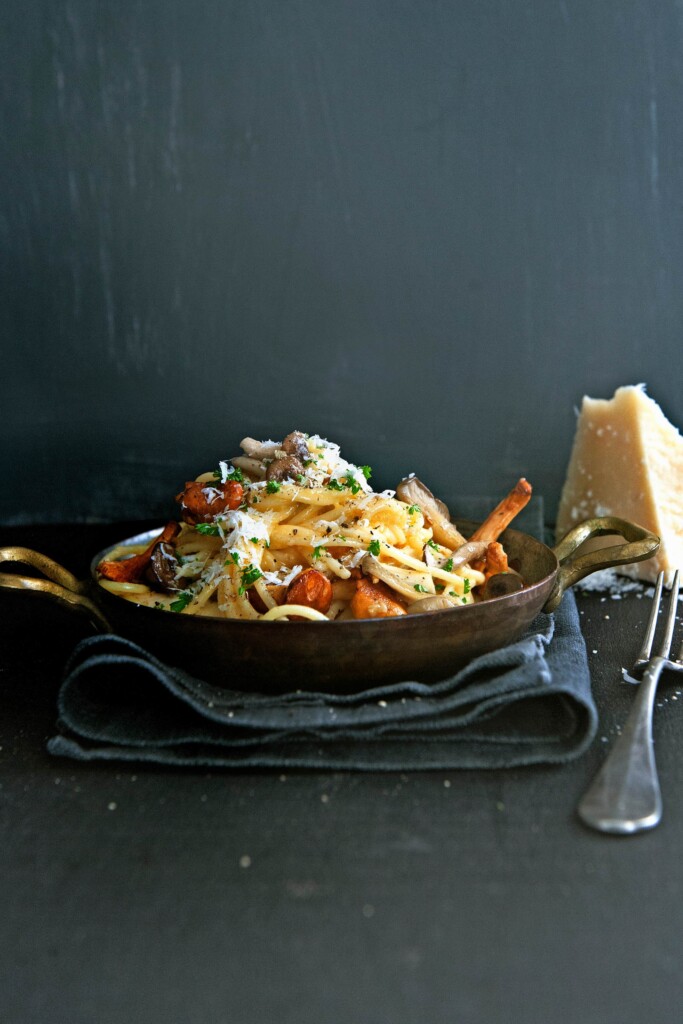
[{"x": 527, "y": 703}]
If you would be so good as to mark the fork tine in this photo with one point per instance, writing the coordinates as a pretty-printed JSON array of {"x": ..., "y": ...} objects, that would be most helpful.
[
  {"x": 665, "y": 647},
  {"x": 646, "y": 649}
]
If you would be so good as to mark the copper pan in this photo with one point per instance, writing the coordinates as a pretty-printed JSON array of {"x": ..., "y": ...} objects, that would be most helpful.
[{"x": 340, "y": 656}]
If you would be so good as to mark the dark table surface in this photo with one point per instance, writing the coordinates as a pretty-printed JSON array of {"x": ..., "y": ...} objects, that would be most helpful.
[{"x": 158, "y": 895}]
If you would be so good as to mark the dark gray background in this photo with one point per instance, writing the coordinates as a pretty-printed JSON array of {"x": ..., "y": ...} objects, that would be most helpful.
[{"x": 423, "y": 229}]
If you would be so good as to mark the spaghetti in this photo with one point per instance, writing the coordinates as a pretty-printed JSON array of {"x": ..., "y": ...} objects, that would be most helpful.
[{"x": 291, "y": 530}]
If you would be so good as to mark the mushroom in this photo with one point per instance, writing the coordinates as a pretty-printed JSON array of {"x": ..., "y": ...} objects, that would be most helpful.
[
  {"x": 372, "y": 566},
  {"x": 259, "y": 449},
  {"x": 296, "y": 444},
  {"x": 414, "y": 492},
  {"x": 284, "y": 467},
  {"x": 433, "y": 604},
  {"x": 161, "y": 571},
  {"x": 252, "y": 467},
  {"x": 501, "y": 584},
  {"x": 283, "y": 460}
]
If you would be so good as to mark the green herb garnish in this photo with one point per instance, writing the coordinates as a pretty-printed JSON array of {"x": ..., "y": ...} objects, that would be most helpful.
[
  {"x": 420, "y": 589},
  {"x": 366, "y": 471},
  {"x": 272, "y": 487},
  {"x": 182, "y": 601},
  {"x": 234, "y": 473},
  {"x": 466, "y": 588},
  {"x": 334, "y": 485},
  {"x": 318, "y": 551},
  {"x": 413, "y": 509},
  {"x": 211, "y": 529},
  {"x": 431, "y": 543},
  {"x": 448, "y": 566},
  {"x": 373, "y": 547},
  {"x": 249, "y": 577}
]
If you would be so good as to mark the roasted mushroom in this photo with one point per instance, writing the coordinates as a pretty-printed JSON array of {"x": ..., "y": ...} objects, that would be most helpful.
[
  {"x": 161, "y": 571},
  {"x": 295, "y": 444},
  {"x": 131, "y": 570},
  {"x": 391, "y": 575},
  {"x": 414, "y": 492},
  {"x": 258, "y": 449},
  {"x": 288, "y": 467},
  {"x": 201, "y": 503}
]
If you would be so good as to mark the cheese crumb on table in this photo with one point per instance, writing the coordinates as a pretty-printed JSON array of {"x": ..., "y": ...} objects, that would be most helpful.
[{"x": 627, "y": 461}]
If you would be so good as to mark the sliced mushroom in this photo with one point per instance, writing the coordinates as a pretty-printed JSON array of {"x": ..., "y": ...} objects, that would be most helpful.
[
  {"x": 390, "y": 575},
  {"x": 414, "y": 492},
  {"x": 469, "y": 552},
  {"x": 161, "y": 571},
  {"x": 432, "y": 558},
  {"x": 433, "y": 604}
]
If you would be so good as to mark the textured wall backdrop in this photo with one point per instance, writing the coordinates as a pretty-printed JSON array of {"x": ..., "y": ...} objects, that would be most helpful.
[{"x": 423, "y": 229}]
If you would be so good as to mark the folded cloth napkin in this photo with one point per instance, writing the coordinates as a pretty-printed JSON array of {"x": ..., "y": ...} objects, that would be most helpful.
[{"x": 526, "y": 703}]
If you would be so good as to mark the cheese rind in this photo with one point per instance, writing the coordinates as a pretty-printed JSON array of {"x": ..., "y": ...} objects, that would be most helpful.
[{"x": 627, "y": 461}]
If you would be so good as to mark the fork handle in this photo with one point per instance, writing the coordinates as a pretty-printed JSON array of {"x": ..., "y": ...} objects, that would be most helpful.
[{"x": 625, "y": 795}]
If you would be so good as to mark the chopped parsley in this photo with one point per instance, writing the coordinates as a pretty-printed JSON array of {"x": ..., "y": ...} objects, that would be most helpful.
[
  {"x": 208, "y": 528},
  {"x": 420, "y": 589},
  {"x": 249, "y": 577},
  {"x": 373, "y": 547},
  {"x": 234, "y": 557},
  {"x": 234, "y": 473},
  {"x": 272, "y": 487},
  {"x": 366, "y": 471},
  {"x": 448, "y": 566},
  {"x": 346, "y": 481},
  {"x": 413, "y": 509},
  {"x": 467, "y": 587},
  {"x": 318, "y": 551},
  {"x": 182, "y": 602},
  {"x": 463, "y": 600},
  {"x": 431, "y": 543}
]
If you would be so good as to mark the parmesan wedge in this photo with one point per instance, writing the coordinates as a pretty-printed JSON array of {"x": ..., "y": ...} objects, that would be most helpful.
[{"x": 627, "y": 461}]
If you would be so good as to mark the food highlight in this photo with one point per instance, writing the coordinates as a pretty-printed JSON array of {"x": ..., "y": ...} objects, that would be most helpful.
[{"x": 290, "y": 530}]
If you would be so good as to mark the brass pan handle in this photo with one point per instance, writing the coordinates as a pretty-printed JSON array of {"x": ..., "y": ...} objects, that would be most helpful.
[
  {"x": 61, "y": 585},
  {"x": 640, "y": 544}
]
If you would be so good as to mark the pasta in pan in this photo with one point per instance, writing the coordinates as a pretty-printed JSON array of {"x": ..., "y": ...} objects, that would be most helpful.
[{"x": 290, "y": 530}]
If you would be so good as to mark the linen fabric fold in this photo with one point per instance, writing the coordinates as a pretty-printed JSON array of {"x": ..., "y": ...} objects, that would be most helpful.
[{"x": 527, "y": 703}]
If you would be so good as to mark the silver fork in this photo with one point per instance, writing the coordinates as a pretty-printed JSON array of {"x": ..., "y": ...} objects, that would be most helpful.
[{"x": 625, "y": 796}]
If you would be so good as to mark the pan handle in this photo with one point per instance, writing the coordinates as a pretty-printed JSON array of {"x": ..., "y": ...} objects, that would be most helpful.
[
  {"x": 61, "y": 585},
  {"x": 640, "y": 544}
]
